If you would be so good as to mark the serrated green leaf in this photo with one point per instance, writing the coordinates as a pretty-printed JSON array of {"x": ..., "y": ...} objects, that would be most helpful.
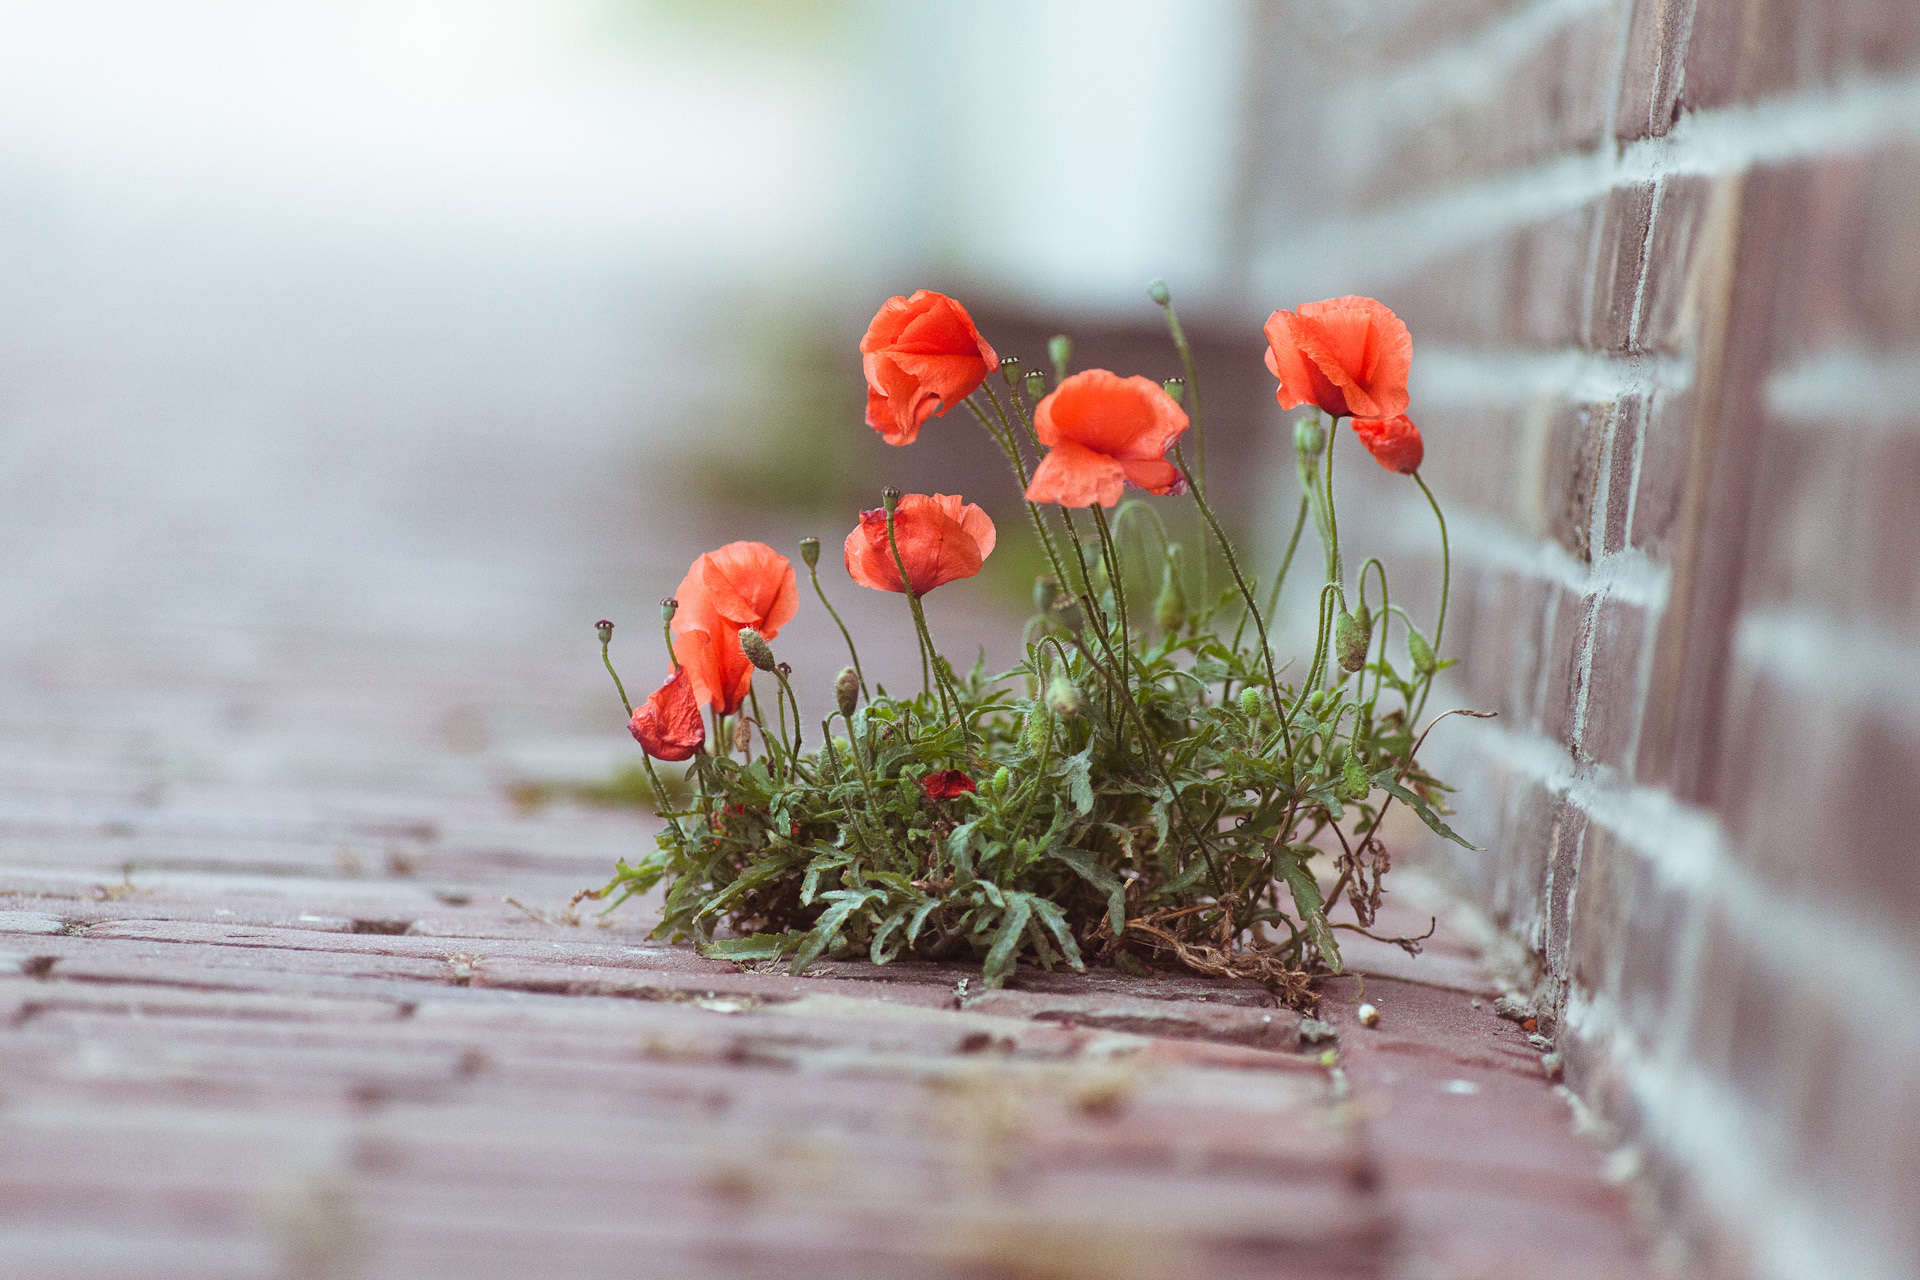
[
  {"x": 1385, "y": 781},
  {"x": 1002, "y": 956},
  {"x": 1308, "y": 904}
]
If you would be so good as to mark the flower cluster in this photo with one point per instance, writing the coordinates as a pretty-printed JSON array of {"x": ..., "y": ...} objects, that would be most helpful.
[{"x": 1142, "y": 786}]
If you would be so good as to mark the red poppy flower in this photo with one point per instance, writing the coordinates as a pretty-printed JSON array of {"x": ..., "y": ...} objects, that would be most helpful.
[
  {"x": 667, "y": 725},
  {"x": 743, "y": 584},
  {"x": 942, "y": 537},
  {"x": 1349, "y": 356},
  {"x": 922, "y": 357},
  {"x": 1106, "y": 432},
  {"x": 946, "y": 784},
  {"x": 1394, "y": 442}
]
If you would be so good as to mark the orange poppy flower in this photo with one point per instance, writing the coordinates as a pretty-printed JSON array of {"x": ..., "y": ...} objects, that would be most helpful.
[
  {"x": 942, "y": 538},
  {"x": 1394, "y": 442},
  {"x": 743, "y": 584},
  {"x": 922, "y": 356},
  {"x": 1349, "y": 356},
  {"x": 668, "y": 726},
  {"x": 1105, "y": 432}
]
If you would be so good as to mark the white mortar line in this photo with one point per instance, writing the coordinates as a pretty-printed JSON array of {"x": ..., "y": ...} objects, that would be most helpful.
[
  {"x": 1478, "y": 66},
  {"x": 1464, "y": 376},
  {"x": 1370, "y": 249},
  {"x": 1625, "y": 575},
  {"x": 1849, "y": 388},
  {"x": 1862, "y": 661}
]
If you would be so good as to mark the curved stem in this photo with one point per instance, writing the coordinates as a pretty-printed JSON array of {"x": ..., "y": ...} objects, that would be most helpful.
[
  {"x": 1446, "y": 560},
  {"x": 1333, "y": 521},
  {"x": 624, "y": 700},
  {"x": 813, "y": 571},
  {"x": 1111, "y": 550},
  {"x": 1187, "y": 367}
]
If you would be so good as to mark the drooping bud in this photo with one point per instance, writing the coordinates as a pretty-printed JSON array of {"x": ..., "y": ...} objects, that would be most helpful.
[
  {"x": 846, "y": 690},
  {"x": 1354, "y": 782},
  {"x": 1039, "y": 725},
  {"x": 1046, "y": 588},
  {"x": 1349, "y": 642},
  {"x": 1253, "y": 701},
  {"x": 810, "y": 551},
  {"x": 668, "y": 608},
  {"x": 1176, "y": 389},
  {"x": 1063, "y": 697},
  {"x": 1170, "y": 610},
  {"x": 1060, "y": 351},
  {"x": 1364, "y": 616},
  {"x": 742, "y": 735},
  {"x": 759, "y": 652},
  {"x": 1422, "y": 653},
  {"x": 1157, "y": 290},
  {"x": 605, "y": 629},
  {"x": 1036, "y": 384},
  {"x": 1309, "y": 437},
  {"x": 890, "y": 498},
  {"x": 1010, "y": 370},
  {"x": 1002, "y": 780}
]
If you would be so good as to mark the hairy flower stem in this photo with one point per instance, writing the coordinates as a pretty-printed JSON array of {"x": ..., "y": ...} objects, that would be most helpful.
[
  {"x": 1187, "y": 366},
  {"x": 1333, "y": 521},
  {"x": 813, "y": 571},
  {"x": 1246, "y": 592},
  {"x": 1446, "y": 574},
  {"x": 1286, "y": 561},
  {"x": 787, "y": 689},
  {"x": 646, "y": 761},
  {"x": 624, "y": 700},
  {"x": 866, "y": 782},
  {"x": 929, "y": 659},
  {"x": 1111, "y": 550}
]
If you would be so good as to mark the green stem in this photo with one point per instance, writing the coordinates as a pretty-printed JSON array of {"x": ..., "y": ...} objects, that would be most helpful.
[
  {"x": 1192, "y": 373},
  {"x": 933, "y": 684},
  {"x": 1334, "y": 573},
  {"x": 624, "y": 700},
  {"x": 1111, "y": 550},
  {"x": 813, "y": 571},
  {"x": 1299, "y": 523},
  {"x": 1446, "y": 560}
]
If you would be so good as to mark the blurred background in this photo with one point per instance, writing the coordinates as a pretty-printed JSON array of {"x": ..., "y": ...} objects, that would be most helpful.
[{"x": 382, "y": 347}]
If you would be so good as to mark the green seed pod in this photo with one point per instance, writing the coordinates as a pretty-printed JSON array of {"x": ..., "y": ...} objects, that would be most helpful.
[
  {"x": 1354, "y": 782},
  {"x": 605, "y": 629},
  {"x": 846, "y": 690},
  {"x": 1349, "y": 641},
  {"x": 1002, "y": 780},
  {"x": 1309, "y": 438},
  {"x": 1422, "y": 653},
  {"x": 1170, "y": 610},
  {"x": 1036, "y": 384},
  {"x": 1046, "y": 589},
  {"x": 1010, "y": 370},
  {"x": 1176, "y": 389},
  {"x": 1063, "y": 698},
  {"x": 668, "y": 608},
  {"x": 810, "y": 551},
  {"x": 1067, "y": 612},
  {"x": 759, "y": 652}
]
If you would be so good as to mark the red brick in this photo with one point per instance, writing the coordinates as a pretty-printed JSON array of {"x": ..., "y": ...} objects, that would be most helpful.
[
  {"x": 1650, "y": 82},
  {"x": 1679, "y": 232},
  {"x": 1613, "y": 685},
  {"x": 1620, "y": 259},
  {"x": 1741, "y": 52},
  {"x": 1546, "y": 281},
  {"x": 1563, "y": 676}
]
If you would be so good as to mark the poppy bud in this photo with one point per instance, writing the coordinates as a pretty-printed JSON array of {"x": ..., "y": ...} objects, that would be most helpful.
[
  {"x": 1046, "y": 588},
  {"x": 1063, "y": 698},
  {"x": 605, "y": 629},
  {"x": 742, "y": 735},
  {"x": 810, "y": 551},
  {"x": 668, "y": 608},
  {"x": 1002, "y": 780},
  {"x": 1354, "y": 782},
  {"x": 890, "y": 498},
  {"x": 846, "y": 690},
  {"x": 1349, "y": 642},
  {"x": 1157, "y": 290},
  {"x": 1252, "y": 701},
  {"x": 1010, "y": 370},
  {"x": 1170, "y": 610},
  {"x": 1036, "y": 729},
  {"x": 1309, "y": 437},
  {"x": 1036, "y": 384},
  {"x": 1422, "y": 653},
  {"x": 1060, "y": 351},
  {"x": 758, "y": 651},
  {"x": 1364, "y": 616}
]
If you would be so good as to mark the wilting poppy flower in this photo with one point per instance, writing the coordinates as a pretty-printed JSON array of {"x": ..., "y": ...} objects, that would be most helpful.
[
  {"x": 1105, "y": 431},
  {"x": 1349, "y": 356},
  {"x": 743, "y": 584},
  {"x": 942, "y": 537},
  {"x": 1394, "y": 442},
  {"x": 946, "y": 784},
  {"x": 922, "y": 357},
  {"x": 667, "y": 725}
]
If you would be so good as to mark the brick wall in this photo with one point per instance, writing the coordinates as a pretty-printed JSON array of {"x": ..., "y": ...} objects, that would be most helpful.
[{"x": 1661, "y": 260}]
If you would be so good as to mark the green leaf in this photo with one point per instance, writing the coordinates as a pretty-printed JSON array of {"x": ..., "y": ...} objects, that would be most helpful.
[
  {"x": 1099, "y": 877},
  {"x": 1056, "y": 922},
  {"x": 1384, "y": 780},
  {"x": 1004, "y": 953},
  {"x": 1307, "y": 901},
  {"x": 1079, "y": 779},
  {"x": 761, "y": 946},
  {"x": 827, "y": 927}
]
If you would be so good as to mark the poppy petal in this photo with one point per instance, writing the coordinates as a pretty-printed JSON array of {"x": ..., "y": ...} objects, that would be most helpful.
[
  {"x": 1073, "y": 475},
  {"x": 1394, "y": 442},
  {"x": 667, "y": 725}
]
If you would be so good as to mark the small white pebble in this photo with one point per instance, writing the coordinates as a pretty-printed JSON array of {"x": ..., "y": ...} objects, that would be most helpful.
[
  {"x": 1369, "y": 1016},
  {"x": 1266, "y": 1017},
  {"x": 1460, "y": 1086}
]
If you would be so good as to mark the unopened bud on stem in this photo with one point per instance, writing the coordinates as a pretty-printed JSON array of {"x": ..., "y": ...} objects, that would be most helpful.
[
  {"x": 1157, "y": 290},
  {"x": 1422, "y": 653},
  {"x": 846, "y": 690},
  {"x": 1349, "y": 641},
  {"x": 810, "y": 551},
  {"x": 1309, "y": 437},
  {"x": 1354, "y": 782},
  {"x": 742, "y": 735},
  {"x": 1063, "y": 698},
  {"x": 1060, "y": 351},
  {"x": 759, "y": 652},
  {"x": 605, "y": 629}
]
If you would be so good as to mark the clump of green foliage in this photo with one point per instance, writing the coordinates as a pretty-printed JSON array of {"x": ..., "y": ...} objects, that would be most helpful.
[{"x": 1143, "y": 789}]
